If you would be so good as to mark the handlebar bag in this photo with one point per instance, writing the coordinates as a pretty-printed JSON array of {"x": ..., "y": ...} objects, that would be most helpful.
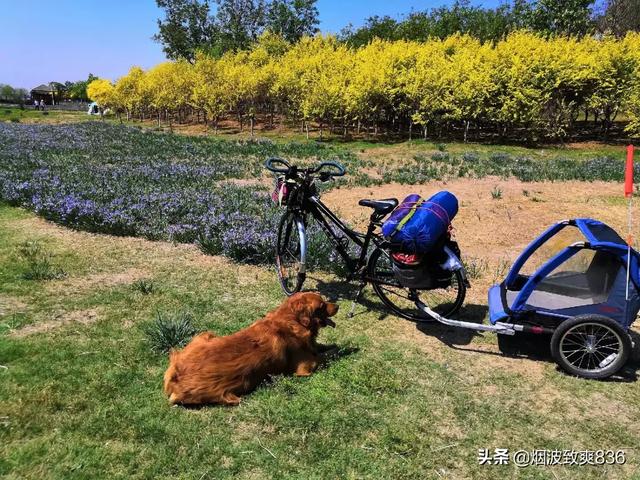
[{"x": 416, "y": 225}]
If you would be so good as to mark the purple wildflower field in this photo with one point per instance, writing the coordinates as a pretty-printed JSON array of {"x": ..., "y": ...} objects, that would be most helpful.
[{"x": 126, "y": 181}]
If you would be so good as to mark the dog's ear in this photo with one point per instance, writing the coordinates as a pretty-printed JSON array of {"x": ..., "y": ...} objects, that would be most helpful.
[{"x": 303, "y": 309}]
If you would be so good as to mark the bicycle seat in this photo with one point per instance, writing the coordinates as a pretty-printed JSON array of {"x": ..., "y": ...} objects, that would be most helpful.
[{"x": 381, "y": 207}]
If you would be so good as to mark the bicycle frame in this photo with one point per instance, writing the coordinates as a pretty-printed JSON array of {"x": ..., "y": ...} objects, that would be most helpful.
[
  {"x": 327, "y": 221},
  {"x": 302, "y": 201}
]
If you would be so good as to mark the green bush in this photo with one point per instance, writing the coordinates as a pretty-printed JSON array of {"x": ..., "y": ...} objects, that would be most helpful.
[
  {"x": 170, "y": 330},
  {"x": 144, "y": 286}
]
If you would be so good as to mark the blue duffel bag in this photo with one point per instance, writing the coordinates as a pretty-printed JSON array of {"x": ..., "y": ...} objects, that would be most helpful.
[{"x": 416, "y": 225}]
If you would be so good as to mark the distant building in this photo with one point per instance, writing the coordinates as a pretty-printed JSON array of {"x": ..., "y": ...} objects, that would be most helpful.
[{"x": 48, "y": 92}]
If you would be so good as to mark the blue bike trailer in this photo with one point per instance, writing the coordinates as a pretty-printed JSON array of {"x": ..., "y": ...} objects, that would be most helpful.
[
  {"x": 587, "y": 276},
  {"x": 580, "y": 294}
]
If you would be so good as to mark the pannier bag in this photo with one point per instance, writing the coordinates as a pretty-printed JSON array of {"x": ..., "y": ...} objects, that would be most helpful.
[
  {"x": 416, "y": 225},
  {"x": 280, "y": 194}
]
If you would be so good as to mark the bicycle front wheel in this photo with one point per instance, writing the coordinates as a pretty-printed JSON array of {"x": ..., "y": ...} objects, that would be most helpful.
[
  {"x": 291, "y": 251},
  {"x": 444, "y": 301}
]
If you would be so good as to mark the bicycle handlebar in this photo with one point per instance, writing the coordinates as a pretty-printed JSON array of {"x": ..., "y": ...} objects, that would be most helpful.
[
  {"x": 269, "y": 165},
  {"x": 272, "y": 165},
  {"x": 340, "y": 171}
]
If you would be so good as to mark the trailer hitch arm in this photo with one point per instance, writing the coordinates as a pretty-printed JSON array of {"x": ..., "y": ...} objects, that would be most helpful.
[{"x": 499, "y": 327}]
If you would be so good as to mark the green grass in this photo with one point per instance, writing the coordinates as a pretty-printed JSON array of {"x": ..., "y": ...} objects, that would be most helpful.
[
  {"x": 82, "y": 398},
  {"x": 29, "y": 115}
]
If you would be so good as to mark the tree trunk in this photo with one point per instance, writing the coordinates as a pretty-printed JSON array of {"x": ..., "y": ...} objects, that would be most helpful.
[
  {"x": 252, "y": 121},
  {"x": 466, "y": 130},
  {"x": 306, "y": 126},
  {"x": 410, "y": 129}
]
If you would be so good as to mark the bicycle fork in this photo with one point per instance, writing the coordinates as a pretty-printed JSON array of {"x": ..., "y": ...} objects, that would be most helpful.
[{"x": 302, "y": 235}]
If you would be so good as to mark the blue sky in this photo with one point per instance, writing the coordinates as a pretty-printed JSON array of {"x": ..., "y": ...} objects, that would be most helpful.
[{"x": 43, "y": 41}]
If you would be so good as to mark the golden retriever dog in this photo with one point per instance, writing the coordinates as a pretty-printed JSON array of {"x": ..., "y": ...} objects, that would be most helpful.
[{"x": 214, "y": 369}]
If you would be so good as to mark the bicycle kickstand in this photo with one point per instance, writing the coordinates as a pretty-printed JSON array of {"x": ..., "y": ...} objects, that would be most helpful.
[{"x": 355, "y": 300}]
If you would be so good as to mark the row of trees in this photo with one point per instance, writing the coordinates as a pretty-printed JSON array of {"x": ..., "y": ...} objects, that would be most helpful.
[
  {"x": 9, "y": 94},
  {"x": 523, "y": 85},
  {"x": 562, "y": 17},
  {"x": 74, "y": 91},
  {"x": 190, "y": 25}
]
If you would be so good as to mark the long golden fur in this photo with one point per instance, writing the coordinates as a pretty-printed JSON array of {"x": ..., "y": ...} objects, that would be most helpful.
[{"x": 214, "y": 369}]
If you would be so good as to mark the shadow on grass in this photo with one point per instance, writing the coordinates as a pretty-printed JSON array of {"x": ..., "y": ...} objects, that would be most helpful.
[
  {"x": 333, "y": 353},
  {"x": 538, "y": 348},
  {"x": 522, "y": 345},
  {"x": 530, "y": 346},
  {"x": 455, "y": 336},
  {"x": 338, "y": 289}
]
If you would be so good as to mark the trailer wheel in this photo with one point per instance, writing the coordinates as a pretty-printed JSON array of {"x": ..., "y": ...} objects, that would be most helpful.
[{"x": 590, "y": 346}]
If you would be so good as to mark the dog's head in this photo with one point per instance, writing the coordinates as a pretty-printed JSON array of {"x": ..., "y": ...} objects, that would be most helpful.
[{"x": 312, "y": 311}]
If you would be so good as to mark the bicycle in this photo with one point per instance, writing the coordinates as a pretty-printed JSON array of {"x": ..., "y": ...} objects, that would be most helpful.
[{"x": 296, "y": 189}]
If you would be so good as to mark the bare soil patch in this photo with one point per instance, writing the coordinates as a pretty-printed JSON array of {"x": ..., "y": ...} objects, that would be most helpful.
[
  {"x": 9, "y": 305},
  {"x": 82, "y": 317},
  {"x": 497, "y": 230},
  {"x": 97, "y": 280}
]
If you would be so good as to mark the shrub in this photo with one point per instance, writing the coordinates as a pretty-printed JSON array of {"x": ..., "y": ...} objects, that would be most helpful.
[
  {"x": 470, "y": 157},
  {"x": 440, "y": 157},
  {"x": 144, "y": 286},
  {"x": 170, "y": 330}
]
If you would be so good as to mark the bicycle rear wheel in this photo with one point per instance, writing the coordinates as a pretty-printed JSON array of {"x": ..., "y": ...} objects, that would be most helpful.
[
  {"x": 444, "y": 301},
  {"x": 291, "y": 253}
]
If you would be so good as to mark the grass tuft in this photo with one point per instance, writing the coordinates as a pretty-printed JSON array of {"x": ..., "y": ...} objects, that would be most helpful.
[
  {"x": 475, "y": 267},
  {"x": 170, "y": 330},
  {"x": 144, "y": 286},
  {"x": 496, "y": 193},
  {"x": 40, "y": 265}
]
